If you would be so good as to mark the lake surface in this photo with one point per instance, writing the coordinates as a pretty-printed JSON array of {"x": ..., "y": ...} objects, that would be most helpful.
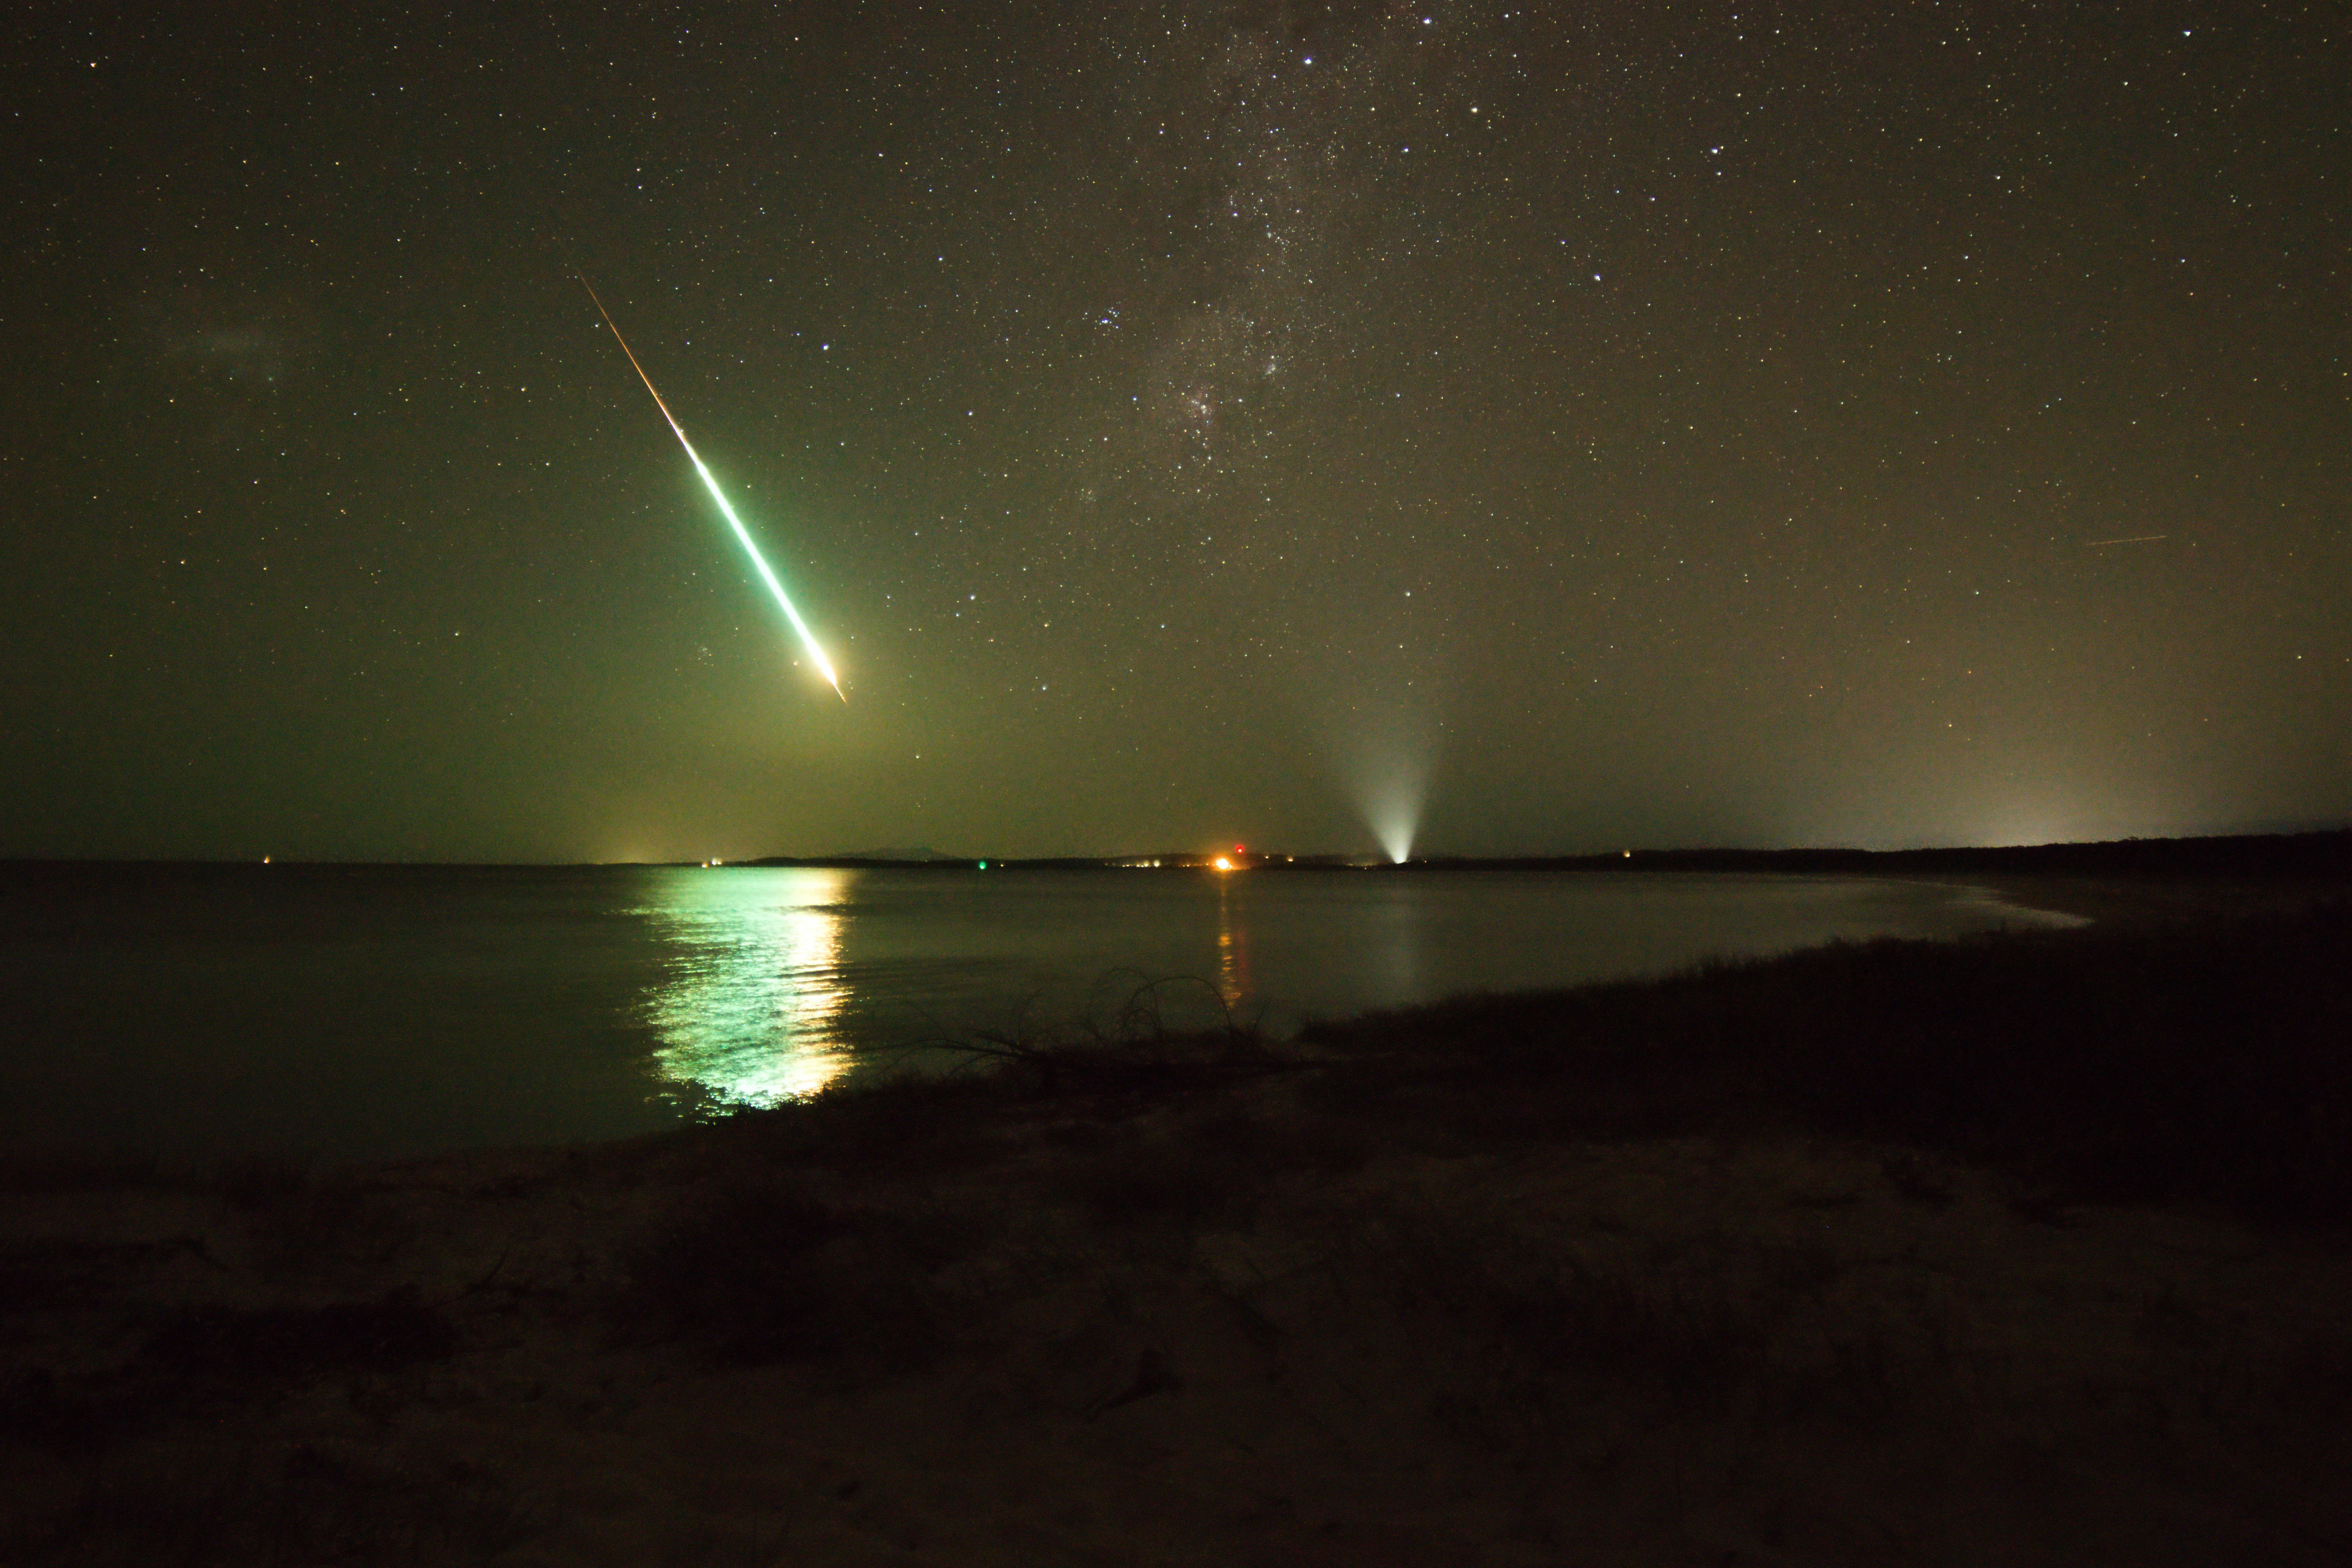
[{"x": 363, "y": 1013}]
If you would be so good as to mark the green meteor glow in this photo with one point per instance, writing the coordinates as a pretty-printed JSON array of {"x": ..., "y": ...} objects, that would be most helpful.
[{"x": 767, "y": 573}]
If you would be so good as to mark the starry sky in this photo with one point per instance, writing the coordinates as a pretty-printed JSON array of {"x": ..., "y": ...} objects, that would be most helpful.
[{"x": 1513, "y": 431}]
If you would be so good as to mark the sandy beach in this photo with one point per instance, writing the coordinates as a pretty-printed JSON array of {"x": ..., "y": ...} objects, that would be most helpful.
[{"x": 1636, "y": 1274}]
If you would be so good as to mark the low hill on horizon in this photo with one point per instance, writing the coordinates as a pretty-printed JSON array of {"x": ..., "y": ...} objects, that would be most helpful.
[{"x": 910, "y": 852}]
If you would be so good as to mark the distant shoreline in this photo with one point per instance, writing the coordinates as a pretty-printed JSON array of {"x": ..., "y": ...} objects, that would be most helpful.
[
  {"x": 2121, "y": 880},
  {"x": 2317, "y": 857}
]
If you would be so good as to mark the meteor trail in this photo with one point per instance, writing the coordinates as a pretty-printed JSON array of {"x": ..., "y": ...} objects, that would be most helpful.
[{"x": 808, "y": 638}]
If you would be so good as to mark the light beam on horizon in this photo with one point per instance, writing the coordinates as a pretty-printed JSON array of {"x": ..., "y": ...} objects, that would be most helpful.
[{"x": 767, "y": 573}]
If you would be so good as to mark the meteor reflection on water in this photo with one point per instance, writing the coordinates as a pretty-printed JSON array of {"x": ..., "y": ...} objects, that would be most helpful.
[{"x": 750, "y": 1012}]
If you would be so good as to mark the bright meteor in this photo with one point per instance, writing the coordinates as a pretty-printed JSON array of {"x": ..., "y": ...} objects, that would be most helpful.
[{"x": 766, "y": 575}]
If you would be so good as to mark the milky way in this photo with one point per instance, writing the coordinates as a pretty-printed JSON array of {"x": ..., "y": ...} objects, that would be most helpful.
[{"x": 1192, "y": 423}]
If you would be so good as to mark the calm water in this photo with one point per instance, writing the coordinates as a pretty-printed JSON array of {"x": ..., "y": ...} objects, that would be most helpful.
[{"x": 361, "y": 1013}]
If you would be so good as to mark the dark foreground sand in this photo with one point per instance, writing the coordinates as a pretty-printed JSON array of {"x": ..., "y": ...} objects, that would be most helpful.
[{"x": 2028, "y": 1249}]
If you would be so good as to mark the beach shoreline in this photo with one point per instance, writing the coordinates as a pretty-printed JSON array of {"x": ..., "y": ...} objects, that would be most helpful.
[{"x": 1631, "y": 1271}]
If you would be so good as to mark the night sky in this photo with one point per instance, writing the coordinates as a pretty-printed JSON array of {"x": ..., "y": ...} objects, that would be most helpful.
[{"x": 1557, "y": 429}]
